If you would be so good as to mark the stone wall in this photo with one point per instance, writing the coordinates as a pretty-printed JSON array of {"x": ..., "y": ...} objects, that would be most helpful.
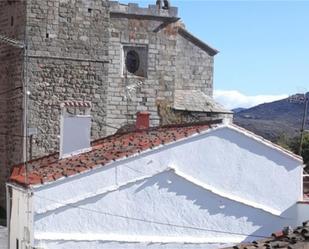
[
  {"x": 57, "y": 80},
  {"x": 173, "y": 63},
  {"x": 194, "y": 67},
  {"x": 67, "y": 57},
  {"x": 76, "y": 52},
  {"x": 12, "y": 17},
  {"x": 128, "y": 93},
  {"x": 67, "y": 61}
]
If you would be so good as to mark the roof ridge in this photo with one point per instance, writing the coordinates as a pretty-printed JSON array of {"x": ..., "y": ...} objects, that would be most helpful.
[
  {"x": 182, "y": 125},
  {"x": 266, "y": 142}
]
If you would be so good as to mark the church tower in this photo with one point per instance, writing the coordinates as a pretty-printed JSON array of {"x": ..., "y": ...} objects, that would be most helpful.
[{"x": 121, "y": 58}]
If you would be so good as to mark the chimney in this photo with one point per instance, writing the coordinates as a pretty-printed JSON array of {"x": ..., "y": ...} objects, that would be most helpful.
[
  {"x": 142, "y": 120},
  {"x": 75, "y": 128}
]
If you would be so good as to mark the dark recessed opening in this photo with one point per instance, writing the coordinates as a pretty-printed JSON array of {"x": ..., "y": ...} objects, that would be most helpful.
[
  {"x": 144, "y": 100},
  {"x": 132, "y": 61},
  {"x": 12, "y": 20},
  {"x": 47, "y": 35},
  {"x": 89, "y": 10}
]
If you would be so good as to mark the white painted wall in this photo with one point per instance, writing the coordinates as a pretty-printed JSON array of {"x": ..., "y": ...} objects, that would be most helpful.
[
  {"x": 117, "y": 245},
  {"x": 21, "y": 221},
  {"x": 237, "y": 164},
  {"x": 3, "y": 237},
  {"x": 219, "y": 186},
  {"x": 302, "y": 212},
  {"x": 164, "y": 208}
]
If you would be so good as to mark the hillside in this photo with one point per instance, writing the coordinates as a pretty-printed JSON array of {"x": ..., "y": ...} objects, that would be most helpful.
[
  {"x": 271, "y": 120},
  {"x": 239, "y": 109}
]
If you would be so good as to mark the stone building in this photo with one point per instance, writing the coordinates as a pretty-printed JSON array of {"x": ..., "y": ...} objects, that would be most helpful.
[{"x": 122, "y": 58}]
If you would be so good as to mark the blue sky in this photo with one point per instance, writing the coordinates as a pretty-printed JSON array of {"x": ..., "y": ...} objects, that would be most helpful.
[{"x": 264, "y": 45}]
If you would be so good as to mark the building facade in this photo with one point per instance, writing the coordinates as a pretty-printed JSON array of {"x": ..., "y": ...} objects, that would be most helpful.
[
  {"x": 121, "y": 58},
  {"x": 202, "y": 185}
]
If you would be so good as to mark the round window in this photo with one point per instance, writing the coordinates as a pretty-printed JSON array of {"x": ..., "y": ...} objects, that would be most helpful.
[{"x": 132, "y": 61}]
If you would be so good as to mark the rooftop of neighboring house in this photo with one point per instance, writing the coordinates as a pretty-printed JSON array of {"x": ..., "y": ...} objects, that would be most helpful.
[
  {"x": 3, "y": 237},
  {"x": 288, "y": 238},
  {"x": 116, "y": 147}
]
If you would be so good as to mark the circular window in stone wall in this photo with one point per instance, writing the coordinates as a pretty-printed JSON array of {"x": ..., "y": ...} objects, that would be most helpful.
[{"x": 132, "y": 61}]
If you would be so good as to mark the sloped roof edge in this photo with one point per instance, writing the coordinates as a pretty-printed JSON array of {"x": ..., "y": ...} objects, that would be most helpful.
[
  {"x": 80, "y": 164},
  {"x": 266, "y": 142},
  {"x": 50, "y": 168},
  {"x": 186, "y": 34}
]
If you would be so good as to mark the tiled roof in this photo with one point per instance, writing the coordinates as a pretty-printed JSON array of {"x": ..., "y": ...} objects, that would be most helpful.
[
  {"x": 104, "y": 151},
  {"x": 195, "y": 100},
  {"x": 285, "y": 239}
]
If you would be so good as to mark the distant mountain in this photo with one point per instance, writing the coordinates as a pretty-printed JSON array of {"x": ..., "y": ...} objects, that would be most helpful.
[
  {"x": 239, "y": 109},
  {"x": 271, "y": 120}
]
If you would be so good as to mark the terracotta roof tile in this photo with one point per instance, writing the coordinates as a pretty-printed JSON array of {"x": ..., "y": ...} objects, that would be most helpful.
[
  {"x": 288, "y": 238},
  {"x": 50, "y": 168}
]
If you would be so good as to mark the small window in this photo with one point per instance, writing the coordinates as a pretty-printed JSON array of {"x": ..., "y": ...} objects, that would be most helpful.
[
  {"x": 135, "y": 60},
  {"x": 132, "y": 61}
]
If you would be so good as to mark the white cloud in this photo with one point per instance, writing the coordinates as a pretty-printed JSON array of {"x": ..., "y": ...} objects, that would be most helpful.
[{"x": 232, "y": 99}]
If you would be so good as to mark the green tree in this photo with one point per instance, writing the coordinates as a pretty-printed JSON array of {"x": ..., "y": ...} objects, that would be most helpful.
[
  {"x": 283, "y": 141},
  {"x": 305, "y": 151},
  {"x": 294, "y": 146}
]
